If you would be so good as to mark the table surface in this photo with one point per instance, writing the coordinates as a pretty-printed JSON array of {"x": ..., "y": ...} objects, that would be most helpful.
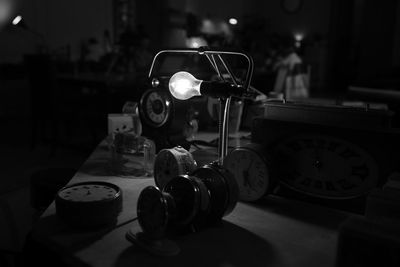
[{"x": 274, "y": 232}]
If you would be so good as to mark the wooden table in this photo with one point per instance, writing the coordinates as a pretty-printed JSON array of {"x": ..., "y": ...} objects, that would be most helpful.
[{"x": 275, "y": 232}]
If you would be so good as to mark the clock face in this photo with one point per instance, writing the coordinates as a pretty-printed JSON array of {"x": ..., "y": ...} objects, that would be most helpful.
[
  {"x": 152, "y": 212},
  {"x": 165, "y": 168},
  {"x": 187, "y": 198},
  {"x": 325, "y": 166},
  {"x": 250, "y": 171},
  {"x": 156, "y": 107},
  {"x": 170, "y": 163},
  {"x": 88, "y": 193},
  {"x": 89, "y": 204}
]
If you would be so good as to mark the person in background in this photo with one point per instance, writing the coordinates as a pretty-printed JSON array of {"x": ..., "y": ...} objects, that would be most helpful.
[{"x": 289, "y": 80}]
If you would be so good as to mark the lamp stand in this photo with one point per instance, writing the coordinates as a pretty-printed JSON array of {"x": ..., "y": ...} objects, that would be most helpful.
[{"x": 225, "y": 103}]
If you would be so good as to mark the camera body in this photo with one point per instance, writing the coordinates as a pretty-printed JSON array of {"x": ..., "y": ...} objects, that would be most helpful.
[{"x": 187, "y": 203}]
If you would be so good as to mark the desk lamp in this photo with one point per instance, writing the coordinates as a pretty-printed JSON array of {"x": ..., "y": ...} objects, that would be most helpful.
[
  {"x": 20, "y": 22},
  {"x": 201, "y": 198},
  {"x": 184, "y": 85}
]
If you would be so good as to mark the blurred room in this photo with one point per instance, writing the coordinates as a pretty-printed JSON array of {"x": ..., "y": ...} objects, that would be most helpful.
[{"x": 66, "y": 65}]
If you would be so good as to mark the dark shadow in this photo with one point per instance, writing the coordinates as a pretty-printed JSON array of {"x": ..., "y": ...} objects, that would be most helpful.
[
  {"x": 224, "y": 245},
  {"x": 67, "y": 237},
  {"x": 58, "y": 242},
  {"x": 302, "y": 211}
]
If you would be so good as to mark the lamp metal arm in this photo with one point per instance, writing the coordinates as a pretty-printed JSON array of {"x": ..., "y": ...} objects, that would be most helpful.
[{"x": 208, "y": 52}]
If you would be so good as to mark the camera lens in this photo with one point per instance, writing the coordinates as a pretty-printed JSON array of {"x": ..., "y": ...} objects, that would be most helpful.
[{"x": 187, "y": 201}]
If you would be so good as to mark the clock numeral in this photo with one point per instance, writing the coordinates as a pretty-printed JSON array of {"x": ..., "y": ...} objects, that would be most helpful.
[
  {"x": 300, "y": 144},
  {"x": 258, "y": 165},
  {"x": 292, "y": 176},
  {"x": 348, "y": 153},
  {"x": 289, "y": 177},
  {"x": 309, "y": 143},
  {"x": 306, "y": 182},
  {"x": 315, "y": 143},
  {"x": 360, "y": 171},
  {"x": 249, "y": 190},
  {"x": 320, "y": 143},
  {"x": 318, "y": 184},
  {"x": 346, "y": 185},
  {"x": 329, "y": 186},
  {"x": 295, "y": 146},
  {"x": 261, "y": 173},
  {"x": 332, "y": 146}
]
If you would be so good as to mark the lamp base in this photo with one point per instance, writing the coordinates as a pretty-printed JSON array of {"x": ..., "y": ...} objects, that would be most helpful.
[{"x": 159, "y": 247}]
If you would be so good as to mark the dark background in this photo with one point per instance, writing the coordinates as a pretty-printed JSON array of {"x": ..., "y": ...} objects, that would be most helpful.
[{"x": 345, "y": 42}]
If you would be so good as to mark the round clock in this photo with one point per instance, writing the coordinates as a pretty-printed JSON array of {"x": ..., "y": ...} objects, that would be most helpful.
[
  {"x": 222, "y": 188},
  {"x": 171, "y": 162},
  {"x": 325, "y": 166},
  {"x": 187, "y": 202},
  {"x": 183, "y": 202},
  {"x": 155, "y": 107},
  {"x": 154, "y": 211},
  {"x": 89, "y": 204},
  {"x": 251, "y": 170}
]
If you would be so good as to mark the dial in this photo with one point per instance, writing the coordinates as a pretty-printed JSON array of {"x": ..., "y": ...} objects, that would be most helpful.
[
  {"x": 222, "y": 188},
  {"x": 187, "y": 196},
  {"x": 152, "y": 211},
  {"x": 155, "y": 107},
  {"x": 325, "y": 166},
  {"x": 89, "y": 204},
  {"x": 172, "y": 162},
  {"x": 251, "y": 171},
  {"x": 88, "y": 193},
  {"x": 165, "y": 167}
]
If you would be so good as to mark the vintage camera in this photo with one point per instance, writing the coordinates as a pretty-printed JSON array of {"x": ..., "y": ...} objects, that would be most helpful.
[{"x": 187, "y": 203}]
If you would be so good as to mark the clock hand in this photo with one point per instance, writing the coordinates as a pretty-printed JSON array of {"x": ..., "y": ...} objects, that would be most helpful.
[
  {"x": 318, "y": 161},
  {"x": 246, "y": 175},
  {"x": 251, "y": 164},
  {"x": 245, "y": 178}
]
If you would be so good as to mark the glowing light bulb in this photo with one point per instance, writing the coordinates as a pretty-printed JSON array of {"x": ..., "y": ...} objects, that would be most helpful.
[
  {"x": 298, "y": 37},
  {"x": 184, "y": 85},
  {"x": 233, "y": 21},
  {"x": 195, "y": 42},
  {"x": 17, "y": 20}
]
